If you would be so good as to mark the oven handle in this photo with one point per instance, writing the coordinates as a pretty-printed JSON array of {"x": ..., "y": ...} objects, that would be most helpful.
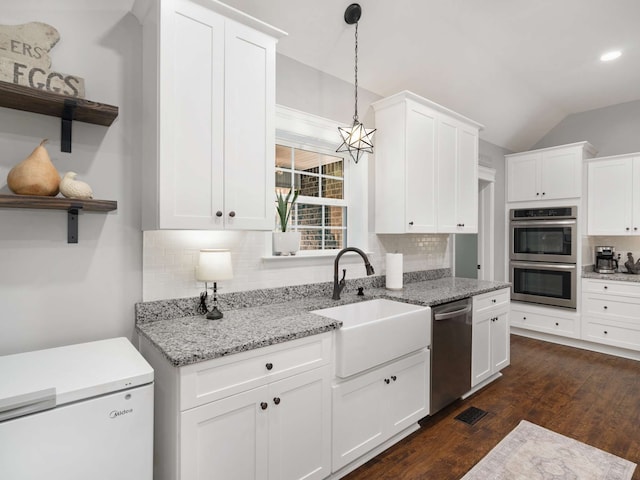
[
  {"x": 546, "y": 266},
  {"x": 541, "y": 223}
]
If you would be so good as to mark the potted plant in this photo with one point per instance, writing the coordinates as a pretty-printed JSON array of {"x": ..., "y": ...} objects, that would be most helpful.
[{"x": 286, "y": 242}]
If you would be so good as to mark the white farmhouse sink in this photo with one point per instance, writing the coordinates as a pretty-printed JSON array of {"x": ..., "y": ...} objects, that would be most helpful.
[{"x": 376, "y": 331}]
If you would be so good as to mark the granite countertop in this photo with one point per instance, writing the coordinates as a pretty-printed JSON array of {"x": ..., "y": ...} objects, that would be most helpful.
[
  {"x": 184, "y": 340},
  {"x": 618, "y": 277}
]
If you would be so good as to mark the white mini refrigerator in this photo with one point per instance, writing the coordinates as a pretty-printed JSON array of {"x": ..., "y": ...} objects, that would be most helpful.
[{"x": 76, "y": 413}]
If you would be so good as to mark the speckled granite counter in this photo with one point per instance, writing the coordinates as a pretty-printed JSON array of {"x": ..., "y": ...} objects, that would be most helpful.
[
  {"x": 185, "y": 339},
  {"x": 618, "y": 277}
]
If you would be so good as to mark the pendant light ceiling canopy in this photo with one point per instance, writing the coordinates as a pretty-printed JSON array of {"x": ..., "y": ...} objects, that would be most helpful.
[{"x": 356, "y": 139}]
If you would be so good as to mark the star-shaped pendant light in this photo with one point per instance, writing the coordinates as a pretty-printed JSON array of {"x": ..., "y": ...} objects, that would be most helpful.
[{"x": 356, "y": 139}]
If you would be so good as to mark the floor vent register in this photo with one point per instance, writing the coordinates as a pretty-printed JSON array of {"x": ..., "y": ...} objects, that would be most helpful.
[{"x": 471, "y": 415}]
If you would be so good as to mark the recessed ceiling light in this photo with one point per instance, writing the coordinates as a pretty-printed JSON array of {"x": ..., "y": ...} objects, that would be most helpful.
[{"x": 607, "y": 57}]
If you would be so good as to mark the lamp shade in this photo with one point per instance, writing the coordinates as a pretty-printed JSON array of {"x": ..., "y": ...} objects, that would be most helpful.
[{"x": 214, "y": 265}]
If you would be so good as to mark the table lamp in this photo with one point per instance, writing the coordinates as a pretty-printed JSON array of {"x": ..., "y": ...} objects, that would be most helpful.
[{"x": 213, "y": 266}]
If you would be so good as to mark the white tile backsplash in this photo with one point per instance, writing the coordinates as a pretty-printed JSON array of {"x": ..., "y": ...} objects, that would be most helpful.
[{"x": 170, "y": 257}]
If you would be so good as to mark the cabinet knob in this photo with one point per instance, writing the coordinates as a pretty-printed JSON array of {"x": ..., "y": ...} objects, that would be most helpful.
[
  {"x": 493, "y": 300},
  {"x": 387, "y": 381},
  {"x": 627, "y": 229},
  {"x": 218, "y": 213},
  {"x": 605, "y": 307},
  {"x": 524, "y": 318},
  {"x": 537, "y": 194},
  {"x": 394, "y": 378},
  {"x": 557, "y": 324},
  {"x": 605, "y": 332},
  {"x": 635, "y": 228},
  {"x": 276, "y": 400},
  {"x": 263, "y": 405},
  {"x": 232, "y": 214},
  {"x": 269, "y": 366},
  {"x": 543, "y": 193},
  {"x": 410, "y": 223},
  {"x": 605, "y": 287}
]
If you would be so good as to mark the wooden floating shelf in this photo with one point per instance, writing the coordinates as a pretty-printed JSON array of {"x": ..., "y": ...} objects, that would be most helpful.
[
  {"x": 56, "y": 203},
  {"x": 71, "y": 205},
  {"x": 34, "y": 100}
]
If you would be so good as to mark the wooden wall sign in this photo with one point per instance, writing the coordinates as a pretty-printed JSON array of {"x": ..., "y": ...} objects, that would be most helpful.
[{"x": 25, "y": 60}]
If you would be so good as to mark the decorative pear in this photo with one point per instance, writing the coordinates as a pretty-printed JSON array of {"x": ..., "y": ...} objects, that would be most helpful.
[
  {"x": 35, "y": 175},
  {"x": 72, "y": 188}
]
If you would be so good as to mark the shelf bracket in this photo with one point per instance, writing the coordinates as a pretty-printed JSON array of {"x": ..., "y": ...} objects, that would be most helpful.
[
  {"x": 68, "y": 112},
  {"x": 72, "y": 224}
]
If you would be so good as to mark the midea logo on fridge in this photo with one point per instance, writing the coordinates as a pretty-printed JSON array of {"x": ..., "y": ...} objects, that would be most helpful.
[{"x": 119, "y": 413}]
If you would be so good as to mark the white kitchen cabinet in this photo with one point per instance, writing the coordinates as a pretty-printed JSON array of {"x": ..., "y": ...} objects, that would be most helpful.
[
  {"x": 547, "y": 174},
  {"x": 370, "y": 408},
  {"x": 209, "y": 116},
  {"x": 260, "y": 414},
  {"x": 426, "y": 167},
  {"x": 280, "y": 431},
  {"x": 538, "y": 318},
  {"x": 490, "y": 345},
  {"x": 610, "y": 313},
  {"x": 613, "y": 195}
]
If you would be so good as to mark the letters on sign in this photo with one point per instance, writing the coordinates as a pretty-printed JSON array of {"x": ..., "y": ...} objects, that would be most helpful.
[{"x": 24, "y": 59}]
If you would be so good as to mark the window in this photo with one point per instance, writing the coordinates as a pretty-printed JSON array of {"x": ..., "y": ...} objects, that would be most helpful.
[{"x": 320, "y": 213}]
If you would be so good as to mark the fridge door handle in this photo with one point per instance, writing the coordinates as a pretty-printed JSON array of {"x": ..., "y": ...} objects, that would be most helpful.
[
  {"x": 28, "y": 403},
  {"x": 455, "y": 313}
]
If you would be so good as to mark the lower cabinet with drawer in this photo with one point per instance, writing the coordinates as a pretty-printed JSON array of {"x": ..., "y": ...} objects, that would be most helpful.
[
  {"x": 545, "y": 319},
  {"x": 261, "y": 414},
  {"x": 611, "y": 313},
  {"x": 490, "y": 341}
]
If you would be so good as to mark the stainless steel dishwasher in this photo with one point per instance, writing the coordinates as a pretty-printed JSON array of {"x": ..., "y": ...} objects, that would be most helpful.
[{"x": 450, "y": 353}]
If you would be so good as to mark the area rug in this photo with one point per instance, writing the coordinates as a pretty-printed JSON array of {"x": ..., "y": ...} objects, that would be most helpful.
[{"x": 531, "y": 452}]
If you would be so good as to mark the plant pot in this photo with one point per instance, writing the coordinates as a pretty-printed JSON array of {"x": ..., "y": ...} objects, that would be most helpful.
[{"x": 286, "y": 243}]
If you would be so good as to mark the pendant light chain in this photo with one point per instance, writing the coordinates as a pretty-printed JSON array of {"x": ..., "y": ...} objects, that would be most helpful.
[{"x": 355, "y": 115}]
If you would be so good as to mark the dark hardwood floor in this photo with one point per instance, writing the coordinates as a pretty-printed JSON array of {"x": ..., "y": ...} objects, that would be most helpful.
[{"x": 588, "y": 396}]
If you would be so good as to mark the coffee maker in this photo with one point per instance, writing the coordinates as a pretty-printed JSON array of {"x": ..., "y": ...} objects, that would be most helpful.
[{"x": 605, "y": 260}]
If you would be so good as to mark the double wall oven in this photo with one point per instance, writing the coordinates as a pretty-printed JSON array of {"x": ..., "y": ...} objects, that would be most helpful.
[{"x": 543, "y": 244}]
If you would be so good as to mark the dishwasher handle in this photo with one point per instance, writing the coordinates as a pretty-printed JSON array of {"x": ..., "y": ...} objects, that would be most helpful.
[{"x": 455, "y": 313}]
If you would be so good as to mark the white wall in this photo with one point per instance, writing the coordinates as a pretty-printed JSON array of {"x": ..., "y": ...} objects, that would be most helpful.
[{"x": 53, "y": 293}]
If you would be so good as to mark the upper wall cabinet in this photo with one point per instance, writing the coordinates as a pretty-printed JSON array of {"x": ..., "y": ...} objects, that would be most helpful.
[
  {"x": 426, "y": 167},
  {"x": 547, "y": 174},
  {"x": 208, "y": 116},
  {"x": 613, "y": 196}
]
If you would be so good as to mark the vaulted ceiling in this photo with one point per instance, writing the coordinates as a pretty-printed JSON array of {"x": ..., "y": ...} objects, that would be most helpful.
[{"x": 516, "y": 66}]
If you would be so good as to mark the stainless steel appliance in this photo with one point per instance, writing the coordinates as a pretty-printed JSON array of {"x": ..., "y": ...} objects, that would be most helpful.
[
  {"x": 544, "y": 234},
  {"x": 605, "y": 261},
  {"x": 451, "y": 328},
  {"x": 543, "y": 255},
  {"x": 547, "y": 283}
]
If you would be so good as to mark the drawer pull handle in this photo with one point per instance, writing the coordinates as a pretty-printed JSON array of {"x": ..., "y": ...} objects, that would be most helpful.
[
  {"x": 263, "y": 405},
  {"x": 218, "y": 213},
  {"x": 386, "y": 380},
  {"x": 232, "y": 214},
  {"x": 276, "y": 400},
  {"x": 269, "y": 366},
  {"x": 493, "y": 300},
  {"x": 394, "y": 378},
  {"x": 411, "y": 223}
]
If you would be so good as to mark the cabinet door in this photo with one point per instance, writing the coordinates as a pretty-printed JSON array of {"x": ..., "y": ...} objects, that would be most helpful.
[
  {"x": 300, "y": 426},
  {"x": 249, "y": 129},
  {"x": 467, "y": 184},
  {"x": 500, "y": 341},
  {"x": 420, "y": 170},
  {"x": 190, "y": 149},
  {"x": 446, "y": 185},
  {"x": 522, "y": 177},
  {"x": 408, "y": 391},
  {"x": 561, "y": 174},
  {"x": 609, "y": 196},
  {"x": 359, "y": 421},
  {"x": 226, "y": 439},
  {"x": 481, "y": 360},
  {"x": 635, "y": 194}
]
